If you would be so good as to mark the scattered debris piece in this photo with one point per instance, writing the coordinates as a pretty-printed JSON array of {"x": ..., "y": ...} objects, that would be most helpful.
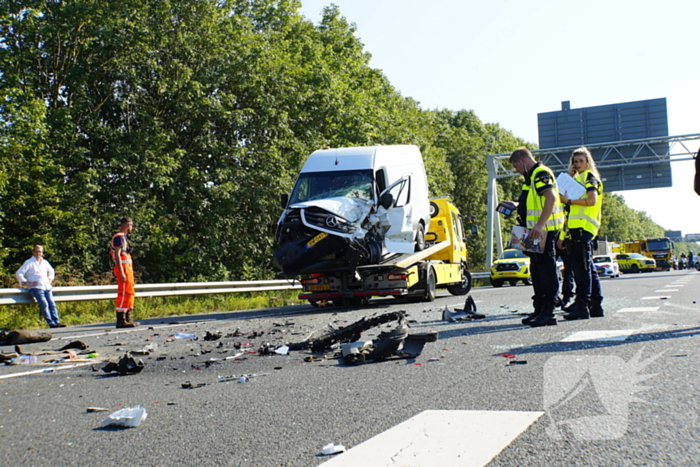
[
  {"x": 97, "y": 409},
  {"x": 517, "y": 362},
  {"x": 467, "y": 314},
  {"x": 126, "y": 365},
  {"x": 239, "y": 379},
  {"x": 79, "y": 345},
  {"x": 507, "y": 355},
  {"x": 128, "y": 417},
  {"x": 213, "y": 336},
  {"x": 191, "y": 385},
  {"x": 24, "y": 336},
  {"x": 270, "y": 349},
  {"x": 23, "y": 360},
  {"x": 394, "y": 343},
  {"x": 330, "y": 449},
  {"x": 147, "y": 350},
  {"x": 183, "y": 335}
]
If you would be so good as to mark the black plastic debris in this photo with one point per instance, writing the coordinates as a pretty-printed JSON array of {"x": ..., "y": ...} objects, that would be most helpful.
[
  {"x": 467, "y": 314},
  {"x": 191, "y": 385},
  {"x": 126, "y": 365},
  {"x": 270, "y": 349},
  {"x": 213, "y": 336},
  {"x": 80, "y": 345}
]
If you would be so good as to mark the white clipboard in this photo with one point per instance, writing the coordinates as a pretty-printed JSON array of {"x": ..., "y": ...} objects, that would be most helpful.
[{"x": 569, "y": 187}]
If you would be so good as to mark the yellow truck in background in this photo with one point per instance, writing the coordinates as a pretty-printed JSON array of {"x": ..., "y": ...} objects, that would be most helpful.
[{"x": 659, "y": 249}]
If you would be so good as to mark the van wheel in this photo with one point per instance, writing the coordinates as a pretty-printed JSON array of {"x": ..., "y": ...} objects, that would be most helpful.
[
  {"x": 420, "y": 238},
  {"x": 430, "y": 288},
  {"x": 434, "y": 209},
  {"x": 527, "y": 281},
  {"x": 635, "y": 268},
  {"x": 513, "y": 283},
  {"x": 464, "y": 287},
  {"x": 496, "y": 282}
]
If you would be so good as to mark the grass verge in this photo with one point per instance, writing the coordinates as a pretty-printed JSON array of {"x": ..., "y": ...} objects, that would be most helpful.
[{"x": 26, "y": 316}]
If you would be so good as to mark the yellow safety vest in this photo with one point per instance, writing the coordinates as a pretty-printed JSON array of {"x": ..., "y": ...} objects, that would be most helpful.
[
  {"x": 535, "y": 202},
  {"x": 587, "y": 217}
]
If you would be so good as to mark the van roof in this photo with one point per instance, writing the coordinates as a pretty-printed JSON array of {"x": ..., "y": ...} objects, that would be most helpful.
[{"x": 360, "y": 157}]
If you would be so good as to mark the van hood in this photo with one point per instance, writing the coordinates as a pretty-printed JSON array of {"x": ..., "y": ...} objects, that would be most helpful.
[
  {"x": 351, "y": 209},
  {"x": 340, "y": 216}
]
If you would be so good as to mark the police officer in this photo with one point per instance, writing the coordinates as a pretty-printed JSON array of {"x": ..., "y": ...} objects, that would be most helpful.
[
  {"x": 583, "y": 223},
  {"x": 545, "y": 217}
]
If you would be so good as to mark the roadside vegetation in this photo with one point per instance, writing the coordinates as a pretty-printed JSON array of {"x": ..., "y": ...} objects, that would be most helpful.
[{"x": 26, "y": 316}]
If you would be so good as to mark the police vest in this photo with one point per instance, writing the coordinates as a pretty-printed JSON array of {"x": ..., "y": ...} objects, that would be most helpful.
[
  {"x": 587, "y": 217},
  {"x": 535, "y": 202}
]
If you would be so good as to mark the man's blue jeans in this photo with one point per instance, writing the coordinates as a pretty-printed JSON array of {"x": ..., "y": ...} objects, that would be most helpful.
[{"x": 47, "y": 305}]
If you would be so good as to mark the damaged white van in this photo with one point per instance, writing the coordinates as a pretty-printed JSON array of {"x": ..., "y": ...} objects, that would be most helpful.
[{"x": 353, "y": 206}]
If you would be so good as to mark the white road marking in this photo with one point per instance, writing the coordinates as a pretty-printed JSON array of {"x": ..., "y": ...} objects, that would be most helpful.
[
  {"x": 619, "y": 335},
  {"x": 49, "y": 370},
  {"x": 469, "y": 438},
  {"x": 639, "y": 309},
  {"x": 659, "y": 297},
  {"x": 666, "y": 290}
]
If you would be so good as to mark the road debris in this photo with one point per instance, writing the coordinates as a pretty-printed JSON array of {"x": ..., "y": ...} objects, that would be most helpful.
[
  {"x": 213, "y": 336},
  {"x": 330, "y": 449},
  {"x": 191, "y": 385},
  {"x": 183, "y": 335},
  {"x": 24, "y": 336},
  {"x": 126, "y": 365},
  {"x": 128, "y": 417},
  {"x": 97, "y": 409},
  {"x": 467, "y": 314}
]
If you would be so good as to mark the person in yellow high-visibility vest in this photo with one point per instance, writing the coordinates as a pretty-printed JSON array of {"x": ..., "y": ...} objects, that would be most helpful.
[
  {"x": 583, "y": 223},
  {"x": 123, "y": 270},
  {"x": 544, "y": 217}
]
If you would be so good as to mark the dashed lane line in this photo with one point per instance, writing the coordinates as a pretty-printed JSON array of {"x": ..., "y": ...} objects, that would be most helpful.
[
  {"x": 610, "y": 335},
  {"x": 469, "y": 438},
  {"x": 639, "y": 309}
]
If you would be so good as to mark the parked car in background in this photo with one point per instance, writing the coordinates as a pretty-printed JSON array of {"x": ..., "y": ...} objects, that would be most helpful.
[
  {"x": 606, "y": 266},
  {"x": 634, "y": 262},
  {"x": 512, "y": 266}
]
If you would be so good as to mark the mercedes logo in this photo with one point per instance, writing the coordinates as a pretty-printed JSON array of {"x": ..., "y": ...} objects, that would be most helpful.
[{"x": 331, "y": 221}]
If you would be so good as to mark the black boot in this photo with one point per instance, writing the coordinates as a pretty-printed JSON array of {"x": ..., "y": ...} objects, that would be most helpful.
[
  {"x": 546, "y": 316},
  {"x": 596, "y": 307},
  {"x": 536, "y": 302},
  {"x": 579, "y": 310}
]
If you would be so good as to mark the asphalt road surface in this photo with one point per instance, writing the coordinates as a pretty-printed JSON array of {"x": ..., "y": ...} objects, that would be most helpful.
[{"x": 622, "y": 390}]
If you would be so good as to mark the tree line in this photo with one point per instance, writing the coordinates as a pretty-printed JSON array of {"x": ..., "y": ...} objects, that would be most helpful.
[{"x": 193, "y": 117}]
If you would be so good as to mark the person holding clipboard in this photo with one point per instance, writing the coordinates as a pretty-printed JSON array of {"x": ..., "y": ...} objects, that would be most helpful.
[{"x": 583, "y": 223}]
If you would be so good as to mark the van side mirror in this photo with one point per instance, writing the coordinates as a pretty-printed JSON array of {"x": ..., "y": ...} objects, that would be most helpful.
[
  {"x": 284, "y": 200},
  {"x": 475, "y": 229},
  {"x": 386, "y": 200}
]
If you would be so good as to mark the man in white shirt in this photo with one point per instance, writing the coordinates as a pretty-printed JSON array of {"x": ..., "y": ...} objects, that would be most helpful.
[{"x": 37, "y": 274}]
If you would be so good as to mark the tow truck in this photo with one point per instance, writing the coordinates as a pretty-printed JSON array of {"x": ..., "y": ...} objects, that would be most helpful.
[{"x": 443, "y": 263}]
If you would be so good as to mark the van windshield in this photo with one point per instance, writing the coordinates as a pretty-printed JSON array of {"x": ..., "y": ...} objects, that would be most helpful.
[{"x": 319, "y": 185}]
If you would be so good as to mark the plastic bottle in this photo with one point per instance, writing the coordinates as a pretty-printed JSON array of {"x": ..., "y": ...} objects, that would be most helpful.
[
  {"x": 182, "y": 335},
  {"x": 24, "y": 360}
]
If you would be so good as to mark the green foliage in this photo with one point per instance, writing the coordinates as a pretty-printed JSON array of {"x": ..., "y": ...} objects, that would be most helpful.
[{"x": 621, "y": 223}]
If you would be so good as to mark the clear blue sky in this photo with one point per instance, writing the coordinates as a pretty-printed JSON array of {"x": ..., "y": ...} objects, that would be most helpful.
[{"x": 509, "y": 60}]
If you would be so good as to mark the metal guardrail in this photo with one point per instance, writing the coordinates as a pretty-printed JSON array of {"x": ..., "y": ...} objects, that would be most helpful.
[
  {"x": 16, "y": 296},
  {"x": 109, "y": 292}
]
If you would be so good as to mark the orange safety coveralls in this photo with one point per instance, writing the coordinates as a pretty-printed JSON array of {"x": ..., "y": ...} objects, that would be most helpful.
[{"x": 125, "y": 289}]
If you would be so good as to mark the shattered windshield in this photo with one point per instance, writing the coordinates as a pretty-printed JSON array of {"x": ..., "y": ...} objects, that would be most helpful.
[
  {"x": 511, "y": 254},
  {"x": 319, "y": 185}
]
